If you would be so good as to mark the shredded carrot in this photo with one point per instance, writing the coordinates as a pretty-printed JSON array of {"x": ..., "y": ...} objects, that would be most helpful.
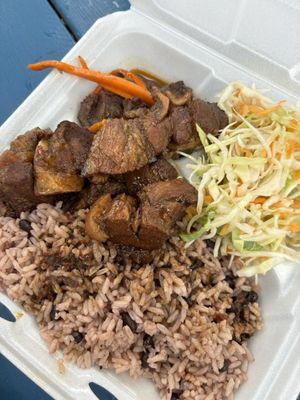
[
  {"x": 295, "y": 227},
  {"x": 82, "y": 62},
  {"x": 208, "y": 199},
  {"x": 272, "y": 145},
  {"x": 295, "y": 144},
  {"x": 95, "y": 127},
  {"x": 271, "y": 109},
  {"x": 291, "y": 146},
  {"x": 296, "y": 204},
  {"x": 225, "y": 230},
  {"x": 288, "y": 150},
  {"x": 264, "y": 153},
  {"x": 259, "y": 200},
  {"x": 245, "y": 109},
  {"x": 297, "y": 174},
  {"x": 114, "y": 84},
  {"x": 284, "y": 214},
  {"x": 292, "y": 125},
  {"x": 254, "y": 109},
  {"x": 277, "y": 205}
]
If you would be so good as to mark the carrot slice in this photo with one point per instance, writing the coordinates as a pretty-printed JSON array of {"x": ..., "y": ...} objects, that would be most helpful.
[
  {"x": 97, "y": 90},
  {"x": 82, "y": 62},
  {"x": 84, "y": 66},
  {"x": 114, "y": 84},
  {"x": 127, "y": 74},
  {"x": 130, "y": 75}
]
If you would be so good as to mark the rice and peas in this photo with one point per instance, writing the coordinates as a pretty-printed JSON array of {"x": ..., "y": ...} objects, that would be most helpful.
[{"x": 182, "y": 320}]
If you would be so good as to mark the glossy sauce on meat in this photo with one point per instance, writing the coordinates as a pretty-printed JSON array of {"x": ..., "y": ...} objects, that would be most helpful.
[{"x": 134, "y": 195}]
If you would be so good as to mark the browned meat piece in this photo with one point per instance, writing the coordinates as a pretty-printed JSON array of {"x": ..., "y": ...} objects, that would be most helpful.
[
  {"x": 24, "y": 145},
  {"x": 157, "y": 223},
  {"x": 157, "y": 133},
  {"x": 92, "y": 226},
  {"x": 16, "y": 173},
  {"x": 77, "y": 140},
  {"x": 3, "y": 209},
  {"x": 182, "y": 126},
  {"x": 117, "y": 148},
  {"x": 208, "y": 116},
  {"x": 91, "y": 193},
  {"x": 16, "y": 188},
  {"x": 16, "y": 185},
  {"x": 98, "y": 106},
  {"x": 100, "y": 178},
  {"x": 124, "y": 145},
  {"x": 8, "y": 157},
  {"x": 178, "y": 93},
  {"x": 146, "y": 227},
  {"x": 58, "y": 160},
  {"x": 134, "y": 108},
  {"x": 55, "y": 178},
  {"x": 172, "y": 190},
  {"x": 94, "y": 222},
  {"x": 184, "y": 119},
  {"x": 160, "y": 170},
  {"x": 120, "y": 220},
  {"x": 162, "y": 204}
]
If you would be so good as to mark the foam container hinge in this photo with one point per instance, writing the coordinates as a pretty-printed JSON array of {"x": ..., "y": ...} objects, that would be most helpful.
[{"x": 206, "y": 44}]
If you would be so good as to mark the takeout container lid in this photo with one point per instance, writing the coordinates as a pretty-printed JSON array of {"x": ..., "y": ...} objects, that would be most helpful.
[
  {"x": 206, "y": 44},
  {"x": 259, "y": 36}
]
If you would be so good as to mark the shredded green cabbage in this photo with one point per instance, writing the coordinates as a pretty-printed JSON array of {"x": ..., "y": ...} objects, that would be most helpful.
[{"x": 248, "y": 182}]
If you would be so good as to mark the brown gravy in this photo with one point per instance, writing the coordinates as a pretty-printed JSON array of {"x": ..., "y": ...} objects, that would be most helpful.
[{"x": 148, "y": 75}]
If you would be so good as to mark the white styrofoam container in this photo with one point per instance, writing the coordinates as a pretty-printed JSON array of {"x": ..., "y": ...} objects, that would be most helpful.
[{"x": 206, "y": 44}]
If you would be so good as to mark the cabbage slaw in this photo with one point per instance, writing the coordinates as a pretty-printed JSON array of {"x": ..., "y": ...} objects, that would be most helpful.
[{"x": 248, "y": 182}]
